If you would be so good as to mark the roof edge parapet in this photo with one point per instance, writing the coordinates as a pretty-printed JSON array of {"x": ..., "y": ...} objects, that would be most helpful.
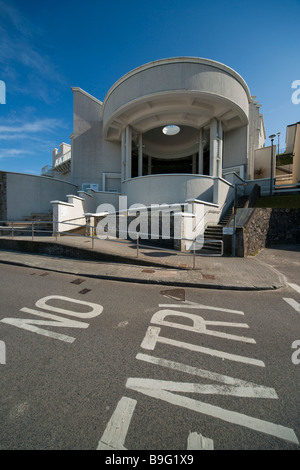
[
  {"x": 80, "y": 90},
  {"x": 172, "y": 60}
]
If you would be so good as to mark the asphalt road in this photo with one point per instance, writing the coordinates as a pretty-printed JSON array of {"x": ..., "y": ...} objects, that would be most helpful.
[{"x": 146, "y": 367}]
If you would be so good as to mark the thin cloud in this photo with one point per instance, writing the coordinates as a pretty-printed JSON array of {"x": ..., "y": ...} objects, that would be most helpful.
[
  {"x": 13, "y": 153},
  {"x": 28, "y": 71},
  {"x": 39, "y": 125}
]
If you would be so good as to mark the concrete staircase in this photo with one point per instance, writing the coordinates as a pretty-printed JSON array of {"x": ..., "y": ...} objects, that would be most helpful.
[
  {"x": 42, "y": 224},
  {"x": 214, "y": 233}
]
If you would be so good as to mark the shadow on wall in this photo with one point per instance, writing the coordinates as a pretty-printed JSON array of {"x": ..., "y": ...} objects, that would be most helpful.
[
  {"x": 284, "y": 226},
  {"x": 267, "y": 227}
]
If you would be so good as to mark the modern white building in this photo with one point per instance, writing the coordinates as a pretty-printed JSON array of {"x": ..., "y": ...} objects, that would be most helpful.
[{"x": 175, "y": 131}]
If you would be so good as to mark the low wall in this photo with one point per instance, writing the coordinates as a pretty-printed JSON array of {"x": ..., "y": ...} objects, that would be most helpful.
[
  {"x": 168, "y": 189},
  {"x": 21, "y": 194}
]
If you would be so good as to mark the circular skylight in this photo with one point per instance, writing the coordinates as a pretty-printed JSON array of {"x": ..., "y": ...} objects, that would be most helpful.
[{"x": 171, "y": 129}]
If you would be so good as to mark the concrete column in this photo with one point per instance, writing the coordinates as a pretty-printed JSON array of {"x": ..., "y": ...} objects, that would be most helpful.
[
  {"x": 200, "y": 155},
  {"x": 220, "y": 150},
  {"x": 213, "y": 147},
  {"x": 140, "y": 164},
  {"x": 123, "y": 156},
  {"x": 128, "y": 152}
]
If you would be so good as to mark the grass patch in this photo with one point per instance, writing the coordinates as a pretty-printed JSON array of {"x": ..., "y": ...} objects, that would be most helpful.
[
  {"x": 284, "y": 160},
  {"x": 279, "y": 202}
]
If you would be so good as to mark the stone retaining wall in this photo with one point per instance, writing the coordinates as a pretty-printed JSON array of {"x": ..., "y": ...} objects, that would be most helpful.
[{"x": 270, "y": 226}]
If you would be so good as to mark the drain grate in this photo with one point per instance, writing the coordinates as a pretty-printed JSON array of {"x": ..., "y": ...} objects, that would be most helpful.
[
  {"x": 77, "y": 281},
  {"x": 84, "y": 291},
  {"x": 208, "y": 276},
  {"x": 148, "y": 271}
]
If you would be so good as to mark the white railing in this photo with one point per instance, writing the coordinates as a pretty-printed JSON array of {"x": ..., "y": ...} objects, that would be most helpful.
[
  {"x": 33, "y": 228},
  {"x": 64, "y": 158}
]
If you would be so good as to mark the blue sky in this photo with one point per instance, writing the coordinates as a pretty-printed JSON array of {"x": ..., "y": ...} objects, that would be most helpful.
[{"x": 48, "y": 46}]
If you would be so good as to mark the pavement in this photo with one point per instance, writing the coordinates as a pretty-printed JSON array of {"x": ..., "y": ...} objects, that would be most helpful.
[{"x": 123, "y": 261}]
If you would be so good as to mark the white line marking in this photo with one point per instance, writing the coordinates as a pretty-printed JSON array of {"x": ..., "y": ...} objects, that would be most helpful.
[
  {"x": 295, "y": 287},
  {"x": 116, "y": 430},
  {"x": 29, "y": 324},
  {"x": 2, "y": 352},
  {"x": 252, "y": 389},
  {"x": 200, "y": 306},
  {"x": 199, "y": 325},
  {"x": 198, "y": 442},
  {"x": 293, "y": 303},
  {"x": 152, "y": 336},
  {"x": 156, "y": 389}
]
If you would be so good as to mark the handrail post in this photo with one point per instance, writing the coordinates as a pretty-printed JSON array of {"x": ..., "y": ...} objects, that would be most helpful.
[
  {"x": 32, "y": 230},
  {"x": 137, "y": 246},
  {"x": 12, "y": 230},
  {"x": 93, "y": 237}
]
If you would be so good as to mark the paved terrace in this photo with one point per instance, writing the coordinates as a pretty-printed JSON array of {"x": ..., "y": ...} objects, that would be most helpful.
[{"x": 123, "y": 262}]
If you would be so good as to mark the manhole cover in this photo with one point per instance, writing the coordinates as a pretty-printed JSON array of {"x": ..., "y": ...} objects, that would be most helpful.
[
  {"x": 148, "y": 271},
  {"x": 177, "y": 294}
]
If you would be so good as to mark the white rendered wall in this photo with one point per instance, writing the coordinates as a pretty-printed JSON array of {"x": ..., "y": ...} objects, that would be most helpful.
[
  {"x": 91, "y": 155},
  {"x": 167, "y": 189},
  {"x": 28, "y": 194}
]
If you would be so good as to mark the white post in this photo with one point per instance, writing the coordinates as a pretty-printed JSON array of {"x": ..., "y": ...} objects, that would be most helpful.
[
  {"x": 123, "y": 156},
  {"x": 140, "y": 165},
  {"x": 128, "y": 152},
  {"x": 220, "y": 151},
  {"x": 213, "y": 147},
  {"x": 200, "y": 156}
]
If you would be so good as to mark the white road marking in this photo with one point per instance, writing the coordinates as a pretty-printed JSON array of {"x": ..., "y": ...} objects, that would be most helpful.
[
  {"x": 116, "y": 430},
  {"x": 96, "y": 309},
  {"x": 2, "y": 352},
  {"x": 199, "y": 325},
  {"x": 295, "y": 287},
  {"x": 152, "y": 337},
  {"x": 293, "y": 303},
  {"x": 198, "y": 442},
  {"x": 160, "y": 390},
  {"x": 193, "y": 305},
  {"x": 30, "y": 325},
  {"x": 232, "y": 386}
]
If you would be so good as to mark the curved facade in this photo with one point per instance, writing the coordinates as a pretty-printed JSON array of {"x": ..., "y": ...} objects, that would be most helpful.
[
  {"x": 131, "y": 134},
  {"x": 188, "y": 91}
]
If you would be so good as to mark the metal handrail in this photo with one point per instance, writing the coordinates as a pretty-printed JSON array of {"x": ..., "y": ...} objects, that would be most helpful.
[{"x": 10, "y": 226}]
